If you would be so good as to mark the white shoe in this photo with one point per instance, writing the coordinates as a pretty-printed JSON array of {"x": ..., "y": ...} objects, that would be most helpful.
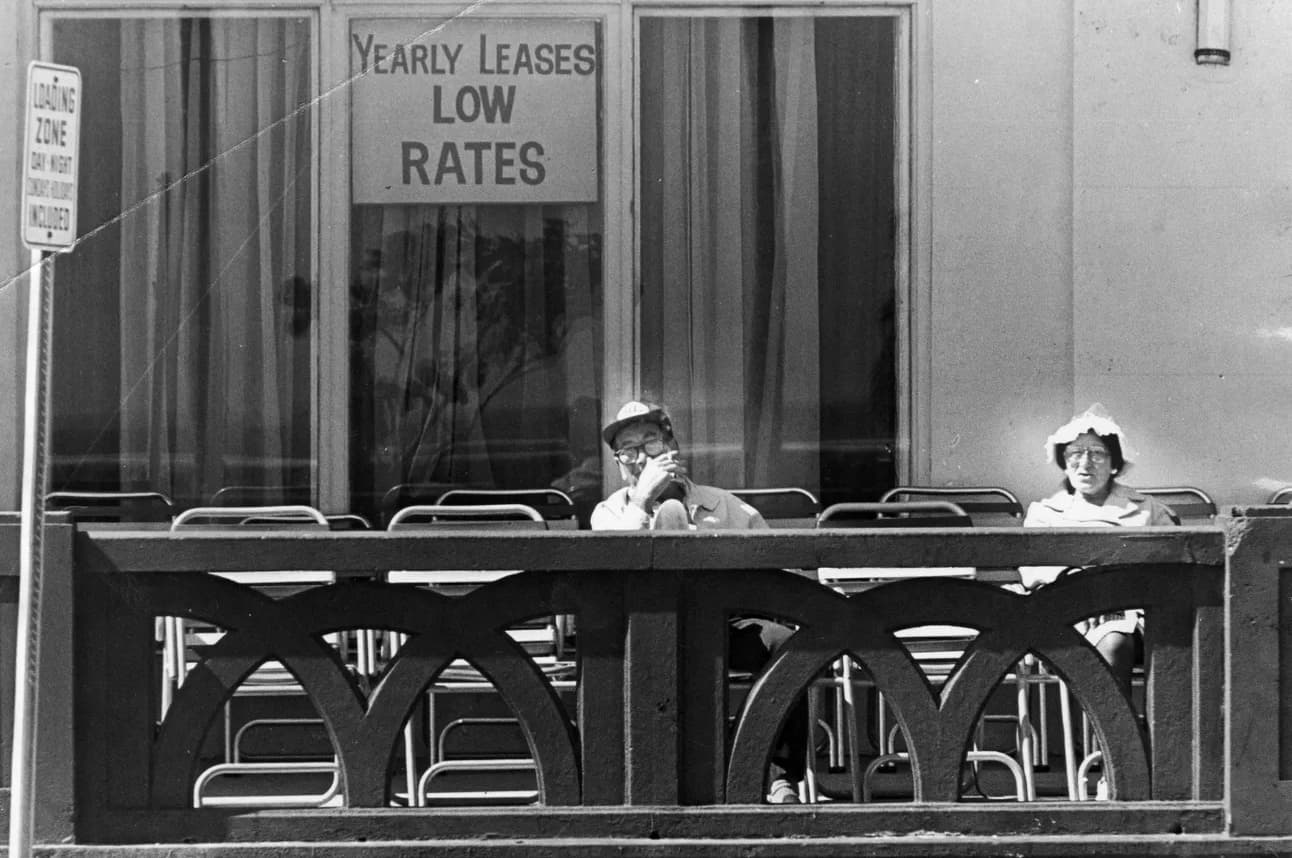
[{"x": 783, "y": 792}]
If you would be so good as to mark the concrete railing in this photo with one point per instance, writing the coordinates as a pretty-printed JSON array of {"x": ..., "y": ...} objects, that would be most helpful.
[{"x": 649, "y": 751}]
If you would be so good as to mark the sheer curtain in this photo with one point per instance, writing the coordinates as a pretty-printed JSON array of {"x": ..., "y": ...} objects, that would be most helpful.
[
  {"x": 768, "y": 246},
  {"x": 730, "y": 312},
  {"x": 475, "y": 338},
  {"x": 215, "y": 271}
]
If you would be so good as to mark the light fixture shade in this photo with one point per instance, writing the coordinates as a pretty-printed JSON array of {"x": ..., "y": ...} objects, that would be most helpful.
[{"x": 1213, "y": 33}]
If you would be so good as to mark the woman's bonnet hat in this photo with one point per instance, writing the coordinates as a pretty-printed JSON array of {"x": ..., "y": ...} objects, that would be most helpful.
[{"x": 1094, "y": 419}]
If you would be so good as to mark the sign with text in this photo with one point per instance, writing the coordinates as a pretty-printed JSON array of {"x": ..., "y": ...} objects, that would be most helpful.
[
  {"x": 49, "y": 158},
  {"x": 474, "y": 111}
]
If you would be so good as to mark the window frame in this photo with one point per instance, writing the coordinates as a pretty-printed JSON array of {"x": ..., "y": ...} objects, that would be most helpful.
[{"x": 47, "y": 13}]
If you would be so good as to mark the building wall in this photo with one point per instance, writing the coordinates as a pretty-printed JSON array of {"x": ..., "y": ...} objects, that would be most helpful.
[
  {"x": 1182, "y": 215},
  {"x": 1107, "y": 221},
  {"x": 1001, "y": 322},
  {"x": 1110, "y": 224}
]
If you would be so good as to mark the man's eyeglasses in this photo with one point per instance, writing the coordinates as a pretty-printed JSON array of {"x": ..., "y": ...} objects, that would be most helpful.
[
  {"x": 632, "y": 455},
  {"x": 1072, "y": 455}
]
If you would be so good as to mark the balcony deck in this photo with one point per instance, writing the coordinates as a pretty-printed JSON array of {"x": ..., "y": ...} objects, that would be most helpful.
[{"x": 647, "y": 762}]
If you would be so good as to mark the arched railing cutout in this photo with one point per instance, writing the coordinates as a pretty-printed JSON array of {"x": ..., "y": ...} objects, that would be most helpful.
[
  {"x": 364, "y": 731},
  {"x": 939, "y": 725}
]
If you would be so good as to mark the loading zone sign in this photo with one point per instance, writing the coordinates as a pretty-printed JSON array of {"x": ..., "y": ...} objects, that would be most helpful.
[{"x": 50, "y": 155}]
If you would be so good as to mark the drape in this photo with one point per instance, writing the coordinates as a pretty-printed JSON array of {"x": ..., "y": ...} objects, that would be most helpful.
[
  {"x": 730, "y": 222},
  {"x": 215, "y": 264}
]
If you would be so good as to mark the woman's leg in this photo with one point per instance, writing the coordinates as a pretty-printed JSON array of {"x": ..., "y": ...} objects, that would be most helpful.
[{"x": 1118, "y": 649}]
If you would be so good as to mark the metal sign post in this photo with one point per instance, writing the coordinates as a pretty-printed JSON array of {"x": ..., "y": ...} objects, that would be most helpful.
[
  {"x": 30, "y": 562},
  {"x": 49, "y": 224}
]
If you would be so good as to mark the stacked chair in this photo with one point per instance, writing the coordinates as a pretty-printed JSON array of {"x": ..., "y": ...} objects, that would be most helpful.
[
  {"x": 1189, "y": 504},
  {"x": 555, "y": 507},
  {"x": 403, "y": 495},
  {"x": 936, "y": 649},
  {"x": 988, "y": 506},
  {"x": 786, "y": 507},
  {"x": 260, "y": 496},
  {"x": 995, "y": 506},
  {"x": 546, "y": 641},
  {"x": 120, "y": 507},
  {"x": 184, "y": 640}
]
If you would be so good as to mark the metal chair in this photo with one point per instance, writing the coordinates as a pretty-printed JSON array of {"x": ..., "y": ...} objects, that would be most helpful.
[
  {"x": 260, "y": 496},
  {"x": 889, "y": 515},
  {"x": 1187, "y": 503},
  {"x": 544, "y": 640},
  {"x": 987, "y": 505},
  {"x": 141, "y": 506},
  {"x": 494, "y": 516},
  {"x": 784, "y": 507},
  {"x": 347, "y": 521},
  {"x": 993, "y": 506},
  {"x": 895, "y": 514},
  {"x": 555, "y": 506},
  {"x": 937, "y": 649},
  {"x": 404, "y": 495},
  {"x": 184, "y": 640}
]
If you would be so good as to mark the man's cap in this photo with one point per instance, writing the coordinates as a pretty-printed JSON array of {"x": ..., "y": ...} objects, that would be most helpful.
[{"x": 636, "y": 412}]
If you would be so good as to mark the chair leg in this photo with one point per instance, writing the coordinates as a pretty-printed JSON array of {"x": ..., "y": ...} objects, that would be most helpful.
[
  {"x": 1083, "y": 773},
  {"x": 854, "y": 748},
  {"x": 1069, "y": 741},
  {"x": 1043, "y": 720},
  {"x": 838, "y": 750},
  {"x": 230, "y": 744},
  {"x": 410, "y": 768},
  {"x": 1026, "y": 732},
  {"x": 391, "y": 646},
  {"x": 809, "y": 790},
  {"x": 881, "y": 726}
]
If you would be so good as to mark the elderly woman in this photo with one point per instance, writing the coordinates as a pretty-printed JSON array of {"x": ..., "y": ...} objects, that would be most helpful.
[{"x": 1090, "y": 450}]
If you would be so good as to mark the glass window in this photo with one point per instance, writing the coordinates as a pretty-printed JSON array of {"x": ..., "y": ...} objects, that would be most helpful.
[
  {"x": 183, "y": 318},
  {"x": 476, "y": 272},
  {"x": 768, "y": 246}
]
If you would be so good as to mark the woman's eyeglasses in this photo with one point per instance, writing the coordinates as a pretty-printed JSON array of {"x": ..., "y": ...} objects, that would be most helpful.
[
  {"x": 1072, "y": 455},
  {"x": 632, "y": 455}
]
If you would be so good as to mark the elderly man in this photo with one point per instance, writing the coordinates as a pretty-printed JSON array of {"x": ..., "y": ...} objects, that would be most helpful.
[{"x": 660, "y": 496}]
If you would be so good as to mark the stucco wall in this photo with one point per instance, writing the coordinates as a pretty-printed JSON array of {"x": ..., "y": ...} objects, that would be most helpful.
[
  {"x": 1183, "y": 214},
  {"x": 1111, "y": 224},
  {"x": 1001, "y": 246}
]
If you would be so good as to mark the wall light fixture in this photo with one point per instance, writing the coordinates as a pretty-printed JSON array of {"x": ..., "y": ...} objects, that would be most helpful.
[{"x": 1213, "y": 33}]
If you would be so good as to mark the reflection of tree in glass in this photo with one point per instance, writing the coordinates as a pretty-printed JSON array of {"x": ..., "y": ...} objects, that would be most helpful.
[{"x": 445, "y": 319}]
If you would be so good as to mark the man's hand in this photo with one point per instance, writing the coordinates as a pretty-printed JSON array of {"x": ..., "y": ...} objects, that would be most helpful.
[{"x": 655, "y": 477}]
